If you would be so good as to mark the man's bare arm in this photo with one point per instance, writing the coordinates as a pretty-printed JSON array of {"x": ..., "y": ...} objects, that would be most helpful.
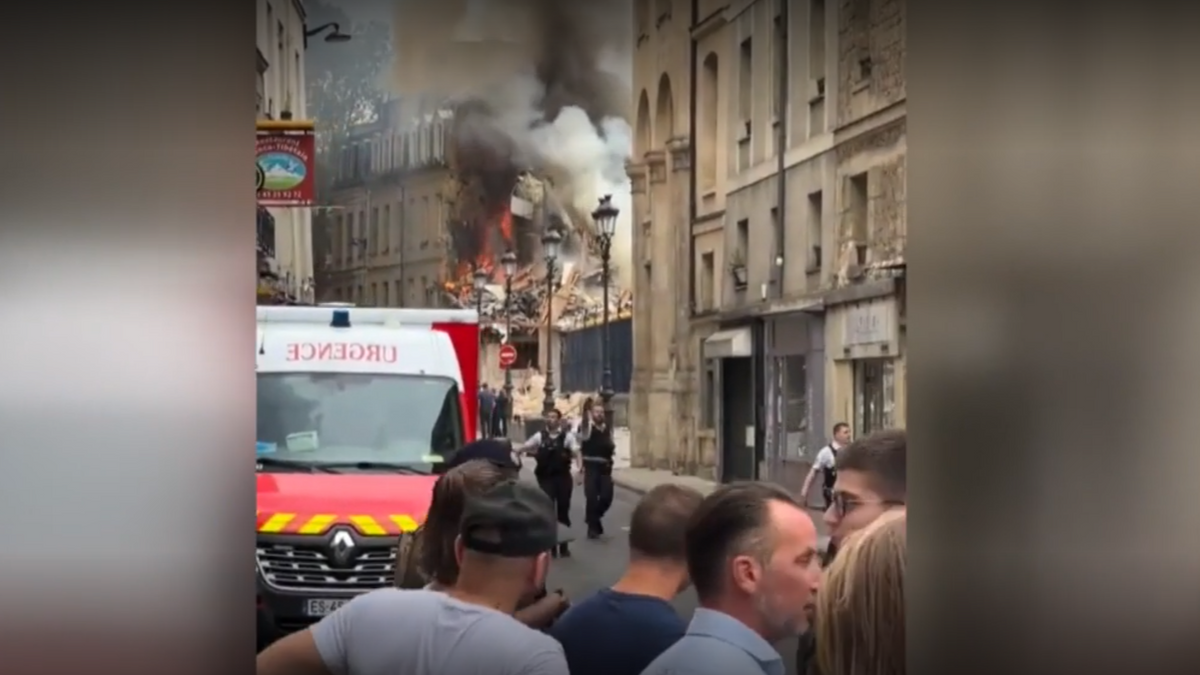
[
  {"x": 295, "y": 654},
  {"x": 529, "y": 444}
]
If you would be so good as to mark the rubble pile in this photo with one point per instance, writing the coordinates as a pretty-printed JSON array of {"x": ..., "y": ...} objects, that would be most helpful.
[{"x": 578, "y": 300}]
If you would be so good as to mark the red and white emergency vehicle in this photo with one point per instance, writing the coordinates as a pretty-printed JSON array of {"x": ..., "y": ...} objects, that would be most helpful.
[{"x": 358, "y": 410}]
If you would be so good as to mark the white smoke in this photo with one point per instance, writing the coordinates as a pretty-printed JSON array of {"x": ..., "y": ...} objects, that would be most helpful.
[{"x": 587, "y": 162}]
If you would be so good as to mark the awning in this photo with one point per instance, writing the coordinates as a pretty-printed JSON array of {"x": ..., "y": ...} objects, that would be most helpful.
[{"x": 728, "y": 344}]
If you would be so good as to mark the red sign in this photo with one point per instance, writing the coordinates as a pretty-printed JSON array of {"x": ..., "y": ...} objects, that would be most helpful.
[
  {"x": 508, "y": 356},
  {"x": 341, "y": 351},
  {"x": 286, "y": 160}
]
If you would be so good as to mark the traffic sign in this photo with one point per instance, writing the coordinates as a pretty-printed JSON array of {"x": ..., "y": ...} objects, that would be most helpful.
[{"x": 508, "y": 356}]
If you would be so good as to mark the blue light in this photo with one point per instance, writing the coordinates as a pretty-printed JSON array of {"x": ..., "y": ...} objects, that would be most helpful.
[{"x": 341, "y": 319}]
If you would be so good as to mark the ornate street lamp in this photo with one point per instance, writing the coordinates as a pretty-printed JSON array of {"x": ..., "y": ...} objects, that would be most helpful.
[
  {"x": 479, "y": 279},
  {"x": 509, "y": 261},
  {"x": 550, "y": 243},
  {"x": 605, "y": 218}
]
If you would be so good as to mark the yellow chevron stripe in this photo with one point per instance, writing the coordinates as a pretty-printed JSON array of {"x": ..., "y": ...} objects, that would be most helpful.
[
  {"x": 367, "y": 525},
  {"x": 317, "y": 524},
  {"x": 277, "y": 522},
  {"x": 405, "y": 523}
]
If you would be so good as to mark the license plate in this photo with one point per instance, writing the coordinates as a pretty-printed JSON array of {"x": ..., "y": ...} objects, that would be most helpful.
[{"x": 322, "y": 606}]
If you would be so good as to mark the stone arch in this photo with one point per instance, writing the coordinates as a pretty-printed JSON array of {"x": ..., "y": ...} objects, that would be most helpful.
[
  {"x": 709, "y": 115},
  {"x": 642, "y": 139},
  {"x": 664, "y": 112}
]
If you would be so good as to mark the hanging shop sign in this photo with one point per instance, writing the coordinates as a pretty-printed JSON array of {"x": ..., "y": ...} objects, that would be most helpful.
[{"x": 285, "y": 153}]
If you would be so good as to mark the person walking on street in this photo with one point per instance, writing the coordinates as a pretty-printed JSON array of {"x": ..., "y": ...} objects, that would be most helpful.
[
  {"x": 860, "y": 607},
  {"x": 501, "y": 547},
  {"x": 620, "y": 630},
  {"x": 598, "y": 451},
  {"x": 500, "y": 413},
  {"x": 826, "y": 465},
  {"x": 487, "y": 406},
  {"x": 872, "y": 479},
  {"x": 556, "y": 451},
  {"x": 752, "y": 557}
]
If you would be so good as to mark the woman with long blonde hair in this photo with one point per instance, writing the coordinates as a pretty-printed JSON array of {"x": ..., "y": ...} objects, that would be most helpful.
[{"x": 860, "y": 606}]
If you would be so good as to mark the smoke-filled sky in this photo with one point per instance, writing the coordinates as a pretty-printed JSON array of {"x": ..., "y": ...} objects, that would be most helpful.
[{"x": 555, "y": 75}]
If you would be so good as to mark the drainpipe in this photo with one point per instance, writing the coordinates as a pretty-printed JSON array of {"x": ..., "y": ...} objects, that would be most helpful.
[
  {"x": 781, "y": 149},
  {"x": 693, "y": 106}
]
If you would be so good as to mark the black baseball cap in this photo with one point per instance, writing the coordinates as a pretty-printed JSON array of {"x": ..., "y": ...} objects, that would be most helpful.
[
  {"x": 512, "y": 520},
  {"x": 496, "y": 451}
]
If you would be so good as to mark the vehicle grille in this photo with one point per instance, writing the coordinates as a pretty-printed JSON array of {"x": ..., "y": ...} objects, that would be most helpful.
[{"x": 308, "y": 568}]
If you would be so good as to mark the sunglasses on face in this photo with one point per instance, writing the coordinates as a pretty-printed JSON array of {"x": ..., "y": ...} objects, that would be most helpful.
[{"x": 844, "y": 503}]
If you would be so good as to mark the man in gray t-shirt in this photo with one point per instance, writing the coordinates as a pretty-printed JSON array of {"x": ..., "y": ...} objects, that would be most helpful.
[{"x": 504, "y": 542}]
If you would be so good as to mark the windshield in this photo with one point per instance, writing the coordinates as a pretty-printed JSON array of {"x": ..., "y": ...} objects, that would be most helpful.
[{"x": 351, "y": 418}]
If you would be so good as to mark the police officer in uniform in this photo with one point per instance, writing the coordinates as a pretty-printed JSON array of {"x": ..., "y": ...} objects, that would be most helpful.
[
  {"x": 826, "y": 463},
  {"x": 598, "y": 450},
  {"x": 556, "y": 450}
]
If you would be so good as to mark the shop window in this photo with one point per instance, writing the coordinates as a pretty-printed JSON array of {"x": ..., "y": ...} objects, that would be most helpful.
[
  {"x": 795, "y": 415},
  {"x": 874, "y": 395}
]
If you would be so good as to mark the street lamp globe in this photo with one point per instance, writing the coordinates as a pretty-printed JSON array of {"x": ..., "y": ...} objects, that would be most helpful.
[
  {"x": 605, "y": 217},
  {"x": 479, "y": 279},
  {"x": 550, "y": 244},
  {"x": 509, "y": 261}
]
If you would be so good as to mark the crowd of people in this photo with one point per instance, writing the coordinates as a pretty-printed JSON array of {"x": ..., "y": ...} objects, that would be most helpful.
[{"x": 471, "y": 590}]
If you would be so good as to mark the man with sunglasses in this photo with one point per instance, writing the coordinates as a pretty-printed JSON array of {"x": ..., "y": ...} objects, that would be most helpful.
[{"x": 872, "y": 479}]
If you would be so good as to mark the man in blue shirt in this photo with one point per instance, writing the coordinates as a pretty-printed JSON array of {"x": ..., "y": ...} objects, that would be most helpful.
[
  {"x": 752, "y": 556},
  {"x": 620, "y": 630}
]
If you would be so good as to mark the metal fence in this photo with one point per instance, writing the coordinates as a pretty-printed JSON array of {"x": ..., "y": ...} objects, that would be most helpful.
[{"x": 583, "y": 357}]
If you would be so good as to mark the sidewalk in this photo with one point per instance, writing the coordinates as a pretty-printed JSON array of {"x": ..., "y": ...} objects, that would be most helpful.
[{"x": 641, "y": 481}]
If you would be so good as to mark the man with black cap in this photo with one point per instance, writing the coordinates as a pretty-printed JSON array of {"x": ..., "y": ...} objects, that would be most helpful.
[{"x": 503, "y": 545}]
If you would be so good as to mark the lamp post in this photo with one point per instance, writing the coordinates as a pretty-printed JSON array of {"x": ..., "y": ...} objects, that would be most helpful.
[
  {"x": 479, "y": 280},
  {"x": 605, "y": 218},
  {"x": 336, "y": 35},
  {"x": 550, "y": 242},
  {"x": 509, "y": 261}
]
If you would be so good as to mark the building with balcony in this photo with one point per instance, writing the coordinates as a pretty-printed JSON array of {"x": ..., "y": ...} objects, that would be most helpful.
[
  {"x": 280, "y": 91},
  {"x": 769, "y": 180}
]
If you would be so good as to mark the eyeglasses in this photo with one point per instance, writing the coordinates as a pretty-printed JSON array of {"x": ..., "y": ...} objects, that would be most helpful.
[{"x": 843, "y": 503}]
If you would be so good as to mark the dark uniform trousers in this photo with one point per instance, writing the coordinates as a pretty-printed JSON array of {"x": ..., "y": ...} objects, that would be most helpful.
[
  {"x": 553, "y": 474},
  {"x": 597, "y": 490}
]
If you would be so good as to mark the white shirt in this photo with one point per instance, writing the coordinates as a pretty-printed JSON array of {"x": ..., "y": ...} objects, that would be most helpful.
[
  {"x": 535, "y": 440},
  {"x": 826, "y": 457}
]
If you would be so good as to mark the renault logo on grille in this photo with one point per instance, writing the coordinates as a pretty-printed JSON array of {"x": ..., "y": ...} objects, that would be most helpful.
[{"x": 342, "y": 547}]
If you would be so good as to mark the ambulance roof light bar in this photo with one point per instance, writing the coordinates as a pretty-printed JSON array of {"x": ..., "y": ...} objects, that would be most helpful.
[{"x": 341, "y": 319}]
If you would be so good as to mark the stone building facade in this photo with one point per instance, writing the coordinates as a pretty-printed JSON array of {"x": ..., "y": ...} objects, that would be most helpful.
[
  {"x": 389, "y": 216},
  {"x": 787, "y": 277}
]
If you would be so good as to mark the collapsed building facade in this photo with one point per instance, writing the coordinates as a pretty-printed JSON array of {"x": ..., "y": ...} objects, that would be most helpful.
[{"x": 419, "y": 206}]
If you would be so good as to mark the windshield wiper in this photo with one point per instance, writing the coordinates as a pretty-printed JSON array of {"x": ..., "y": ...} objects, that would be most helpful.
[
  {"x": 333, "y": 467},
  {"x": 264, "y": 462}
]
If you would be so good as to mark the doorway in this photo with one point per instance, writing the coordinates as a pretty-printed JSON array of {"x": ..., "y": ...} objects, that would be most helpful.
[
  {"x": 874, "y": 395},
  {"x": 738, "y": 458}
]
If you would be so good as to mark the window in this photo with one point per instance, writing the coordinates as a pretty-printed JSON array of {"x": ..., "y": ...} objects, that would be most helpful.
[
  {"x": 814, "y": 227},
  {"x": 374, "y": 236},
  {"x": 398, "y": 294},
  {"x": 710, "y": 106},
  {"x": 412, "y": 293},
  {"x": 795, "y": 411},
  {"x": 425, "y": 292},
  {"x": 743, "y": 238},
  {"x": 779, "y": 63},
  {"x": 746, "y": 83},
  {"x": 358, "y": 294},
  {"x": 385, "y": 233},
  {"x": 397, "y": 226},
  {"x": 386, "y": 301},
  {"x": 707, "y": 282},
  {"x": 859, "y": 215},
  {"x": 400, "y": 419},
  {"x": 374, "y": 299},
  {"x": 780, "y": 245},
  {"x": 339, "y": 238},
  {"x": 348, "y": 252},
  {"x": 874, "y": 395},
  {"x": 360, "y": 252}
]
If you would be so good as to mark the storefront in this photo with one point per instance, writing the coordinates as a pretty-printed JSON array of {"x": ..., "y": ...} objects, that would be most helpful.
[
  {"x": 867, "y": 358},
  {"x": 795, "y": 388}
]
